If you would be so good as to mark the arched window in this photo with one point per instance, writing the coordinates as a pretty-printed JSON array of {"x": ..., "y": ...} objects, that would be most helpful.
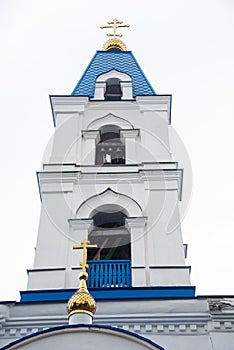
[
  {"x": 113, "y": 86},
  {"x": 110, "y": 234},
  {"x": 113, "y": 90},
  {"x": 110, "y": 149}
]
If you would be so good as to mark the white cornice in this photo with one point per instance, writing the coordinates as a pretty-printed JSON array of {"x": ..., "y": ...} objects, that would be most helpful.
[
  {"x": 158, "y": 179},
  {"x": 158, "y": 103},
  {"x": 67, "y": 104}
]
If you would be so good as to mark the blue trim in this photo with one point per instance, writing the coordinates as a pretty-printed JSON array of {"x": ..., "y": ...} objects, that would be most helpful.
[
  {"x": 51, "y": 330},
  {"x": 111, "y": 293},
  {"x": 105, "y": 61}
]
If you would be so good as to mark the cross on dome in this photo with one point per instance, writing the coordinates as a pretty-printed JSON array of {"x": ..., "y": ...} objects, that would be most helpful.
[
  {"x": 115, "y": 24},
  {"x": 82, "y": 302},
  {"x": 84, "y": 245},
  {"x": 114, "y": 43}
]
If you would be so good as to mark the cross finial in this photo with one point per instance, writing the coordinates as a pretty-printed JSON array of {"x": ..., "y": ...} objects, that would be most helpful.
[
  {"x": 84, "y": 245},
  {"x": 115, "y": 24}
]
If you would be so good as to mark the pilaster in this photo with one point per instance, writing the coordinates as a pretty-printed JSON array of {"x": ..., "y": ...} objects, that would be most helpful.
[
  {"x": 91, "y": 138},
  {"x": 79, "y": 230},
  {"x": 136, "y": 227},
  {"x": 129, "y": 138}
]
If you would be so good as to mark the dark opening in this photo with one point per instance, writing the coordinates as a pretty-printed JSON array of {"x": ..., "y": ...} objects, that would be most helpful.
[
  {"x": 109, "y": 137},
  {"x": 111, "y": 237},
  {"x": 113, "y": 90},
  {"x": 109, "y": 220},
  {"x": 110, "y": 149}
]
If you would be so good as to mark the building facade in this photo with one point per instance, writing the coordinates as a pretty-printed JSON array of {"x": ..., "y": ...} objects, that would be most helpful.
[{"x": 111, "y": 178}]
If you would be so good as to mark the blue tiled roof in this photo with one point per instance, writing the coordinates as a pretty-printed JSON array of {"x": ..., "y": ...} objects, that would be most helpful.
[{"x": 105, "y": 61}]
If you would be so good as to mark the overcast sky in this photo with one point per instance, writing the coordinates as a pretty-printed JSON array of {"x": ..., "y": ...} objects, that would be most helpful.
[{"x": 185, "y": 48}]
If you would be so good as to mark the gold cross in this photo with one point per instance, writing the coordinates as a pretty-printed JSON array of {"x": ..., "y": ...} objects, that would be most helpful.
[
  {"x": 115, "y": 24},
  {"x": 84, "y": 245}
]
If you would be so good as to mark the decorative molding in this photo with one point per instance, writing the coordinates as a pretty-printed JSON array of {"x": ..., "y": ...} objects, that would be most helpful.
[
  {"x": 91, "y": 134},
  {"x": 108, "y": 197},
  {"x": 143, "y": 327},
  {"x": 67, "y": 104},
  {"x": 58, "y": 177},
  {"x": 157, "y": 103},
  {"x": 110, "y": 119},
  {"x": 114, "y": 74},
  {"x": 137, "y": 222},
  {"x": 129, "y": 133},
  {"x": 81, "y": 224},
  {"x": 156, "y": 179}
]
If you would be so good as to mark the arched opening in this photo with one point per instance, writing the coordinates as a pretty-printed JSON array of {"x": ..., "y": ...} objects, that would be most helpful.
[
  {"x": 110, "y": 149},
  {"x": 113, "y": 86},
  {"x": 109, "y": 234},
  {"x": 109, "y": 263},
  {"x": 113, "y": 90},
  {"x": 109, "y": 222}
]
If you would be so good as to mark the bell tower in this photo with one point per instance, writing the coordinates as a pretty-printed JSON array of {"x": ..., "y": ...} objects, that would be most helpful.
[
  {"x": 111, "y": 179},
  {"x": 109, "y": 268}
]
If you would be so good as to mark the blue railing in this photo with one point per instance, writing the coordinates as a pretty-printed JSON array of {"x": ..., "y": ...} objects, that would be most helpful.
[{"x": 109, "y": 274}]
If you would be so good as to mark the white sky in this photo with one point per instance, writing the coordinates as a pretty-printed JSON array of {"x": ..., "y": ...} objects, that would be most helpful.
[{"x": 185, "y": 48}]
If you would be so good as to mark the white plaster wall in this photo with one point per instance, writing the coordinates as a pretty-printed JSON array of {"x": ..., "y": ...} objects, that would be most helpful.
[
  {"x": 158, "y": 243},
  {"x": 66, "y": 138},
  {"x": 53, "y": 230},
  {"x": 152, "y": 144},
  {"x": 46, "y": 279},
  {"x": 222, "y": 340},
  {"x": 154, "y": 241},
  {"x": 185, "y": 342},
  {"x": 165, "y": 245}
]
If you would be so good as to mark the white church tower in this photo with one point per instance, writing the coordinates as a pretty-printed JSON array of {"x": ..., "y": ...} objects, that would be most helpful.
[{"x": 111, "y": 180}]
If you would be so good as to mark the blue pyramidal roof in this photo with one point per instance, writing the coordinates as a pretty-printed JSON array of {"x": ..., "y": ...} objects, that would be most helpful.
[{"x": 105, "y": 61}]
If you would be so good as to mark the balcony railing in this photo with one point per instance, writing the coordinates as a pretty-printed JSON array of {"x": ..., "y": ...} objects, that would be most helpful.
[{"x": 109, "y": 274}]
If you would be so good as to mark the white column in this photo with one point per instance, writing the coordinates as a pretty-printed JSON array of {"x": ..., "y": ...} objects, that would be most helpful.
[
  {"x": 79, "y": 230},
  {"x": 126, "y": 87},
  {"x": 136, "y": 227},
  {"x": 100, "y": 88},
  {"x": 91, "y": 138},
  {"x": 128, "y": 137}
]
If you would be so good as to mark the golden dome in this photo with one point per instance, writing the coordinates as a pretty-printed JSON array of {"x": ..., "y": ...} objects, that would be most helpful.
[
  {"x": 82, "y": 301},
  {"x": 114, "y": 44}
]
